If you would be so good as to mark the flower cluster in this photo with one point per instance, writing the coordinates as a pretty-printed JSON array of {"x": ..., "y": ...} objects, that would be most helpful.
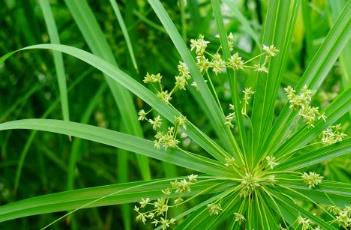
[
  {"x": 165, "y": 96},
  {"x": 142, "y": 115},
  {"x": 238, "y": 217},
  {"x": 333, "y": 134},
  {"x": 184, "y": 185},
  {"x": 181, "y": 81},
  {"x": 312, "y": 179},
  {"x": 270, "y": 51},
  {"x": 155, "y": 122},
  {"x": 249, "y": 183},
  {"x": 302, "y": 102},
  {"x": 230, "y": 117},
  {"x": 206, "y": 61},
  {"x": 183, "y": 77},
  {"x": 271, "y": 161},
  {"x": 152, "y": 78},
  {"x": 342, "y": 216},
  {"x": 157, "y": 210},
  {"x": 199, "y": 45},
  {"x": 168, "y": 139},
  {"x": 214, "y": 209},
  {"x": 260, "y": 68},
  {"x": 248, "y": 92},
  {"x": 229, "y": 162},
  {"x": 307, "y": 224},
  {"x": 235, "y": 62}
]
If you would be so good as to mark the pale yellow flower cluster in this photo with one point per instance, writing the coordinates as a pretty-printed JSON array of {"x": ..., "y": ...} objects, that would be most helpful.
[
  {"x": 302, "y": 102},
  {"x": 206, "y": 60},
  {"x": 156, "y": 212},
  {"x": 312, "y": 179}
]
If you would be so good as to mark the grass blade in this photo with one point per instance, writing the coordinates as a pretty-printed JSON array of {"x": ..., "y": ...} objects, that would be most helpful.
[
  {"x": 95, "y": 197},
  {"x": 309, "y": 158},
  {"x": 121, "y": 23},
  {"x": 123, "y": 141},
  {"x": 75, "y": 150},
  {"x": 30, "y": 139},
  {"x": 235, "y": 91},
  {"x": 278, "y": 31},
  {"x": 58, "y": 60},
  {"x": 329, "y": 192},
  {"x": 96, "y": 41},
  {"x": 345, "y": 58}
]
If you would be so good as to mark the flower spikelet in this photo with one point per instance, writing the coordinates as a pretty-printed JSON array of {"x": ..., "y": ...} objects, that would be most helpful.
[
  {"x": 312, "y": 179},
  {"x": 218, "y": 64},
  {"x": 199, "y": 45},
  {"x": 214, "y": 209}
]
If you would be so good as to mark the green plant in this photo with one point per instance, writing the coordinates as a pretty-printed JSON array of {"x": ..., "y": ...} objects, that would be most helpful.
[{"x": 259, "y": 171}]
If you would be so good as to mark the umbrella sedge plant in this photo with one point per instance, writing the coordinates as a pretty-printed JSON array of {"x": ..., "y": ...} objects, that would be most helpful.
[{"x": 262, "y": 170}]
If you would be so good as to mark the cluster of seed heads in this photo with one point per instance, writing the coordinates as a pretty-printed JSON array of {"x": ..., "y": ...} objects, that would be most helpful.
[
  {"x": 251, "y": 181},
  {"x": 156, "y": 211},
  {"x": 206, "y": 61},
  {"x": 333, "y": 134},
  {"x": 238, "y": 217},
  {"x": 302, "y": 102},
  {"x": 181, "y": 81},
  {"x": 312, "y": 179},
  {"x": 214, "y": 209},
  {"x": 166, "y": 139},
  {"x": 248, "y": 92},
  {"x": 230, "y": 162},
  {"x": 271, "y": 162},
  {"x": 229, "y": 119},
  {"x": 310, "y": 114},
  {"x": 248, "y": 185},
  {"x": 342, "y": 216},
  {"x": 215, "y": 62},
  {"x": 307, "y": 224}
]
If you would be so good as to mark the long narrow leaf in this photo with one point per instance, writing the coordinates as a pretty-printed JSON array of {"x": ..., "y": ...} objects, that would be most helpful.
[
  {"x": 234, "y": 88},
  {"x": 121, "y": 23},
  {"x": 309, "y": 158},
  {"x": 277, "y": 70},
  {"x": 95, "y": 197},
  {"x": 97, "y": 42},
  {"x": 329, "y": 192},
  {"x": 123, "y": 141},
  {"x": 58, "y": 60}
]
